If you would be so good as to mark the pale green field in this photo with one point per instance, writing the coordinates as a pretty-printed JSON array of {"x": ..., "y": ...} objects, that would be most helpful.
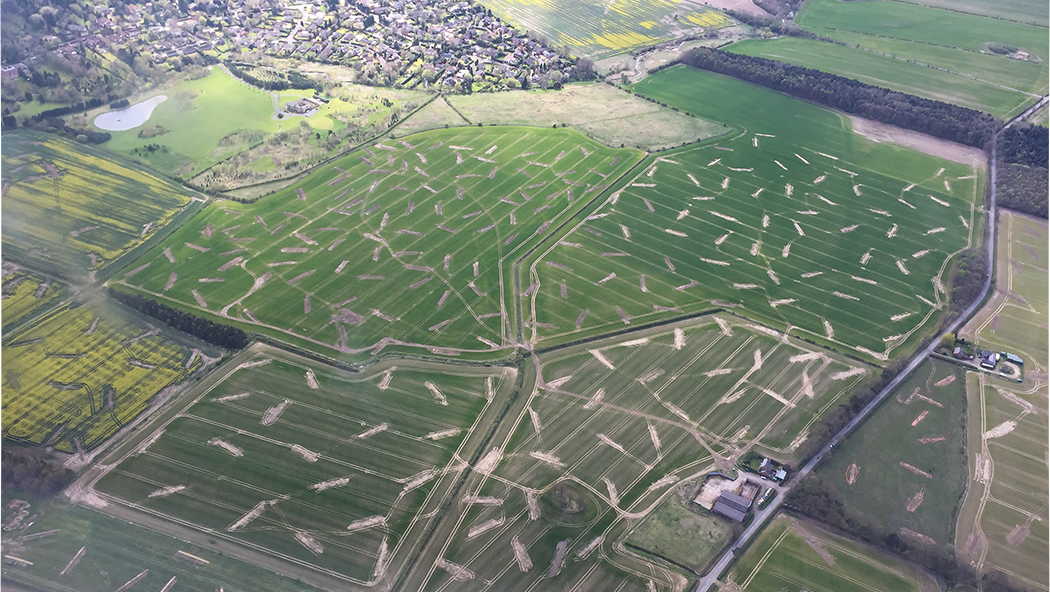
[
  {"x": 898, "y": 74},
  {"x": 783, "y": 560},
  {"x": 1003, "y": 524},
  {"x": 945, "y": 38}
]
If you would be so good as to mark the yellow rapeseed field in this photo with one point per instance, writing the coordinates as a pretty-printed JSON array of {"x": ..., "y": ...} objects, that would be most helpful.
[
  {"x": 601, "y": 28},
  {"x": 19, "y": 296},
  {"x": 65, "y": 203},
  {"x": 84, "y": 373}
]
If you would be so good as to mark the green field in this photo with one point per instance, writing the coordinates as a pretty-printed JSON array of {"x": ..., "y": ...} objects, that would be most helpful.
[
  {"x": 342, "y": 470},
  {"x": 72, "y": 209},
  {"x": 791, "y": 556},
  {"x": 82, "y": 373},
  {"x": 884, "y": 489},
  {"x": 400, "y": 245},
  {"x": 115, "y": 552},
  {"x": 955, "y": 42},
  {"x": 1033, "y": 12},
  {"x": 597, "y": 29},
  {"x": 1003, "y": 523},
  {"x": 794, "y": 221},
  {"x": 898, "y": 74},
  {"x": 622, "y": 420}
]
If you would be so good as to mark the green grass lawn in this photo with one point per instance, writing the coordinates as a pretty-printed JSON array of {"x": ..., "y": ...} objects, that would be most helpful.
[
  {"x": 884, "y": 487},
  {"x": 794, "y": 220},
  {"x": 688, "y": 538},
  {"x": 782, "y": 560},
  {"x": 392, "y": 242},
  {"x": 199, "y": 114},
  {"x": 897, "y": 74}
]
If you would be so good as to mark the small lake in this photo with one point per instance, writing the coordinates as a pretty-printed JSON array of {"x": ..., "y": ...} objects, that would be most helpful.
[{"x": 129, "y": 117}]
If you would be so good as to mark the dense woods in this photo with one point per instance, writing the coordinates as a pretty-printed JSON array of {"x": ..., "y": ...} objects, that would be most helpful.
[
  {"x": 203, "y": 329},
  {"x": 1022, "y": 176},
  {"x": 942, "y": 120},
  {"x": 32, "y": 472},
  {"x": 1025, "y": 144}
]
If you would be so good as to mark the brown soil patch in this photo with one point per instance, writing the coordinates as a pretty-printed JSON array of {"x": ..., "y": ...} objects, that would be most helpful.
[
  {"x": 945, "y": 381},
  {"x": 916, "y": 470},
  {"x": 814, "y": 543},
  {"x": 745, "y": 6},
  {"x": 1019, "y": 533},
  {"x": 916, "y": 500},
  {"x": 974, "y": 545},
  {"x": 921, "y": 417},
  {"x": 881, "y": 132},
  {"x": 918, "y": 536},
  {"x": 1016, "y": 266},
  {"x": 851, "y": 473},
  {"x": 1032, "y": 252}
]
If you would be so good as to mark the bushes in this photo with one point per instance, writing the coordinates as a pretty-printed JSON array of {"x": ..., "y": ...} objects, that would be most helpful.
[
  {"x": 968, "y": 277},
  {"x": 203, "y": 329},
  {"x": 936, "y": 118},
  {"x": 33, "y": 473}
]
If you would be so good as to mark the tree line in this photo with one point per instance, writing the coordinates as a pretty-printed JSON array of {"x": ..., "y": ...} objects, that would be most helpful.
[
  {"x": 31, "y": 472},
  {"x": 943, "y": 120},
  {"x": 75, "y": 108},
  {"x": 284, "y": 80},
  {"x": 211, "y": 332}
]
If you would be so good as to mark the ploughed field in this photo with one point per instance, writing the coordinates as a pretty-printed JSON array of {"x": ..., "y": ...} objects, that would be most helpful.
[
  {"x": 328, "y": 470},
  {"x": 399, "y": 244},
  {"x": 794, "y": 221}
]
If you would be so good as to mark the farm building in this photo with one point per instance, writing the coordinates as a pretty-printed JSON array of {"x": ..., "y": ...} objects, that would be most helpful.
[
  {"x": 989, "y": 359},
  {"x": 1013, "y": 359},
  {"x": 732, "y": 506},
  {"x": 771, "y": 470}
]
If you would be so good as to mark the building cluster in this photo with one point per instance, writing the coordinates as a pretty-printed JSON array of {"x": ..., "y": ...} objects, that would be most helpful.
[{"x": 410, "y": 43}]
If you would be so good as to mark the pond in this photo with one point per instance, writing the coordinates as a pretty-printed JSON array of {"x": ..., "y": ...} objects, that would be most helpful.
[{"x": 129, "y": 117}]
